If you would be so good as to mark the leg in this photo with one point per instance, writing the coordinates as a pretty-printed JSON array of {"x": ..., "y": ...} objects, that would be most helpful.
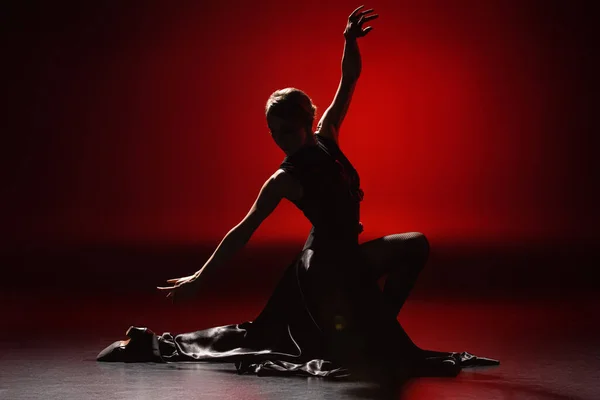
[{"x": 401, "y": 257}]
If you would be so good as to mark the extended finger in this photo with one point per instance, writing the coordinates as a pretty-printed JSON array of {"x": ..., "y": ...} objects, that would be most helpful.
[
  {"x": 355, "y": 11},
  {"x": 366, "y": 11},
  {"x": 166, "y": 287},
  {"x": 368, "y": 18},
  {"x": 367, "y": 30}
]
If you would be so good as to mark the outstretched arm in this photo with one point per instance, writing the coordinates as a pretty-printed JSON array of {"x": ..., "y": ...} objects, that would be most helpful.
[
  {"x": 271, "y": 193},
  {"x": 332, "y": 118}
]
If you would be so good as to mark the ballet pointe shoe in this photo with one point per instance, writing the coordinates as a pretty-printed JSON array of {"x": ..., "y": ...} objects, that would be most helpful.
[
  {"x": 113, "y": 352},
  {"x": 142, "y": 346}
]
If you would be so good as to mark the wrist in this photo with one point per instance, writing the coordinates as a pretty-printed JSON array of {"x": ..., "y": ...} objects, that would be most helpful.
[{"x": 349, "y": 37}]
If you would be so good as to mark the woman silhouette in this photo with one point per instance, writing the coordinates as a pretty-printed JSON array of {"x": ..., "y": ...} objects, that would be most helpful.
[{"x": 327, "y": 315}]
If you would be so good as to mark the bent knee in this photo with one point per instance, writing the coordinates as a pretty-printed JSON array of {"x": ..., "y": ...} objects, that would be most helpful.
[
  {"x": 420, "y": 247},
  {"x": 424, "y": 242},
  {"x": 418, "y": 239}
]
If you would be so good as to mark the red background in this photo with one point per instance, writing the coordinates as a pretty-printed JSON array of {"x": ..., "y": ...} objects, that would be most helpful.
[{"x": 145, "y": 123}]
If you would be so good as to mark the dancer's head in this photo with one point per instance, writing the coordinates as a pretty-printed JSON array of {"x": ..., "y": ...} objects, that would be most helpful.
[{"x": 290, "y": 115}]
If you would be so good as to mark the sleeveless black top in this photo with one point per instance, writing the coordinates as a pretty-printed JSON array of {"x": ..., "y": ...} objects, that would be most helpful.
[{"x": 331, "y": 193}]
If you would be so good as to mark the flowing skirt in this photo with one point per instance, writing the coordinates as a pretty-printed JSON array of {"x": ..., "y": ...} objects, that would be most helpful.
[{"x": 326, "y": 317}]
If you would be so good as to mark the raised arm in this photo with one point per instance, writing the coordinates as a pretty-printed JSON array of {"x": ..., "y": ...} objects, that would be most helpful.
[
  {"x": 278, "y": 186},
  {"x": 332, "y": 118}
]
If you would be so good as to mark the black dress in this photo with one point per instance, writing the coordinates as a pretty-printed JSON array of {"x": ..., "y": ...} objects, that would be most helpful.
[{"x": 326, "y": 315}]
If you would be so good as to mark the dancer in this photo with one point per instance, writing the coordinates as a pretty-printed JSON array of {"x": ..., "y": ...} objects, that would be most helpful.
[{"x": 327, "y": 316}]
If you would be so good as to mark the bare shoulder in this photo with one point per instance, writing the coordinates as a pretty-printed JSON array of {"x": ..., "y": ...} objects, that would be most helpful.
[{"x": 287, "y": 185}]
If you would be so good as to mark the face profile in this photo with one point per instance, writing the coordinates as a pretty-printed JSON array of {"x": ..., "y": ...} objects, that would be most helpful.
[{"x": 290, "y": 115}]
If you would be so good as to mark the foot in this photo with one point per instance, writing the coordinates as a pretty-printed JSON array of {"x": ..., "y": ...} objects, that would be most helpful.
[
  {"x": 436, "y": 367},
  {"x": 140, "y": 347},
  {"x": 468, "y": 360}
]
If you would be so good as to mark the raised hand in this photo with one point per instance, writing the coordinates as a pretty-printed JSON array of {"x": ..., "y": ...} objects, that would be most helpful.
[{"x": 354, "y": 27}]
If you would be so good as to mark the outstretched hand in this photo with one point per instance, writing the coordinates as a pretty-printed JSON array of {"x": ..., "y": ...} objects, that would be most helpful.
[
  {"x": 354, "y": 27},
  {"x": 181, "y": 288}
]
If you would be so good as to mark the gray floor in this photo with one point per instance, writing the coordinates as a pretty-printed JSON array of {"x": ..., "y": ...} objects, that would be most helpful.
[
  {"x": 54, "y": 373},
  {"x": 547, "y": 352}
]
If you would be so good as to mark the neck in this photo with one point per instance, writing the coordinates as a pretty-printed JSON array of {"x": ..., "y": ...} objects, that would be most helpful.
[{"x": 309, "y": 142}]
